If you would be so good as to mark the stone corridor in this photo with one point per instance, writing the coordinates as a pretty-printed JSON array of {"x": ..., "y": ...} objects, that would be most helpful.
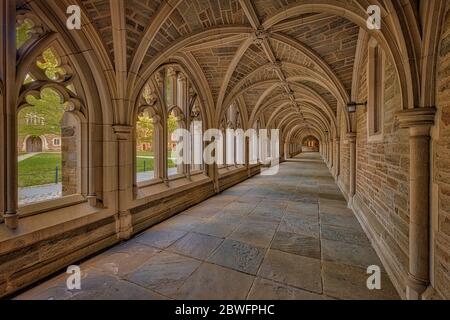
[{"x": 288, "y": 236}]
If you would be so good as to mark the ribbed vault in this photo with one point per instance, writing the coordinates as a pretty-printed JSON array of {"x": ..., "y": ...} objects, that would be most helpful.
[{"x": 288, "y": 64}]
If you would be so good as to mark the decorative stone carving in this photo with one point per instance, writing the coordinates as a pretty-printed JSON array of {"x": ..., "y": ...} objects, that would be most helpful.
[
  {"x": 171, "y": 72},
  {"x": 260, "y": 35}
]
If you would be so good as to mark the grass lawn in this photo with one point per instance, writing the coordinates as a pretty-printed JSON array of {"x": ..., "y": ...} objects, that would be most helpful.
[
  {"x": 149, "y": 164},
  {"x": 145, "y": 154},
  {"x": 39, "y": 170}
]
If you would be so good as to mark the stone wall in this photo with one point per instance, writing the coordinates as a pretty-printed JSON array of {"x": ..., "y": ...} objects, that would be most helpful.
[
  {"x": 344, "y": 154},
  {"x": 382, "y": 186},
  {"x": 441, "y": 160},
  {"x": 69, "y": 155}
]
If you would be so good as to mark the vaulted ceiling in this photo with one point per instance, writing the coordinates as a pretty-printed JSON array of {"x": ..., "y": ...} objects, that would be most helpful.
[{"x": 298, "y": 67}]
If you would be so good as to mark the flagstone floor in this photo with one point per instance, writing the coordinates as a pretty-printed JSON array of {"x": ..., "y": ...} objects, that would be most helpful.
[{"x": 288, "y": 236}]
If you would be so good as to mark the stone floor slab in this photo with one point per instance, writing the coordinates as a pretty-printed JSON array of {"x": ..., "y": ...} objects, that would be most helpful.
[
  {"x": 255, "y": 235},
  {"x": 293, "y": 270},
  {"x": 297, "y": 244},
  {"x": 350, "y": 254},
  {"x": 269, "y": 290},
  {"x": 347, "y": 235},
  {"x": 196, "y": 245},
  {"x": 161, "y": 239},
  {"x": 346, "y": 282},
  {"x": 212, "y": 282},
  {"x": 238, "y": 256},
  {"x": 164, "y": 273}
]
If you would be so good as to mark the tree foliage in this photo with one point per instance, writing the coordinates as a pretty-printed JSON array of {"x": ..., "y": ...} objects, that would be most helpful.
[
  {"x": 23, "y": 32},
  {"x": 49, "y": 107}
]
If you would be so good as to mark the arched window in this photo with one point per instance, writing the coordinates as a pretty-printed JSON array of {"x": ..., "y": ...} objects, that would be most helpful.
[
  {"x": 234, "y": 137},
  {"x": 168, "y": 102},
  {"x": 240, "y": 141},
  {"x": 375, "y": 91},
  {"x": 49, "y": 126},
  {"x": 253, "y": 144},
  {"x": 196, "y": 130},
  {"x": 145, "y": 146},
  {"x": 175, "y": 164}
]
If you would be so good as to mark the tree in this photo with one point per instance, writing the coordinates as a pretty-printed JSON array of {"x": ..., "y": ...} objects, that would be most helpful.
[{"x": 144, "y": 129}]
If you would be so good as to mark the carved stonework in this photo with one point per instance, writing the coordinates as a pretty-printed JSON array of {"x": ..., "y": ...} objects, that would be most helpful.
[
  {"x": 171, "y": 72},
  {"x": 416, "y": 117},
  {"x": 260, "y": 36},
  {"x": 123, "y": 132}
]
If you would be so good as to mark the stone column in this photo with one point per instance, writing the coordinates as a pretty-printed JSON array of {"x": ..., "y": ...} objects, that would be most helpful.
[
  {"x": 124, "y": 225},
  {"x": 9, "y": 124},
  {"x": 419, "y": 122},
  {"x": 332, "y": 163},
  {"x": 337, "y": 160},
  {"x": 182, "y": 102},
  {"x": 352, "y": 179}
]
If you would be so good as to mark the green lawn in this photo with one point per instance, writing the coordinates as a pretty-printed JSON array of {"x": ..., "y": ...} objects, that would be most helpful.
[
  {"x": 149, "y": 164},
  {"x": 145, "y": 154},
  {"x": 39, "y": 170}
]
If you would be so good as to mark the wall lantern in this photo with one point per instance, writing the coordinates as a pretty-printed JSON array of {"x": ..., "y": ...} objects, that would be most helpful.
[{"x": 351, "y": 106}]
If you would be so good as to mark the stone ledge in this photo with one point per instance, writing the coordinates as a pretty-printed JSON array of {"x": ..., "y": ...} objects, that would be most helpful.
[{"x": 46, "y": 225}]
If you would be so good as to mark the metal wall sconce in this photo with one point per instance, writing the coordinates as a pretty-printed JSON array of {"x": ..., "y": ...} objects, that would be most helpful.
[{"x": 351, "y": 106}]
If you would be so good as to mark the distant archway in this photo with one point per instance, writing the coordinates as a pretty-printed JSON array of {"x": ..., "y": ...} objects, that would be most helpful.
[
  {"x": 310, "y": 144},
  {"x": 34, "y": 144}
]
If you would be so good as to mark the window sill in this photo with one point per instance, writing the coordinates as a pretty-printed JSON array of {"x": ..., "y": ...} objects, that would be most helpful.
[
  {"x": 176, "y": 177},
  {"x": 50, "y": 223},
  {"x": 148, "y": 183},
  {"x": 231, "y": 170},
  {"x": 41, "y": 207},
  {"x": 161, "y": 190},
  {"x": 197, "y": 172}
]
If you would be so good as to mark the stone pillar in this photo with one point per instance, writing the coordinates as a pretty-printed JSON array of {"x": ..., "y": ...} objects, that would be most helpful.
[
  {"x": 9, "y": 124},
  {"x": 352, "y": 179},
  {"x": 182, "y": 102},
  {"x": 337, "y": 161},
  {"x": 419, "y": 122},
  {"x": 124, "y": 225},
  {"x": 332, "y": 156}
]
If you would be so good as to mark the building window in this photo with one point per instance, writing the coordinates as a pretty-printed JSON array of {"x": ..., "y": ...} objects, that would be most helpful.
[
  {"x": 145, "y": 151},
  {"x": 375, "y": 91},
  {"x": 49, "y": 135},
  {"x": 175, "y": 164},
  {"x": 57, "y": 142},
  {"x": 196, "y": 139},
  {"x": 169, "y": 129}
]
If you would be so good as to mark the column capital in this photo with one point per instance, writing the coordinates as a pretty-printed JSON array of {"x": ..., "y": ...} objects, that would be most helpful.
[
  {"x": 171, "y": 72},
  {"x": 419, "y": 117},
  {"x": 351, "y": 137},
  {"x": 123, "y": 132},
  {"x": 182, "y": 77}
]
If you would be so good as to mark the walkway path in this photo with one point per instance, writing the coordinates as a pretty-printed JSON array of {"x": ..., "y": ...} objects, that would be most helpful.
[
  {"x": 27, "y": 156},
  {"x": 288, "y": 236}
]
